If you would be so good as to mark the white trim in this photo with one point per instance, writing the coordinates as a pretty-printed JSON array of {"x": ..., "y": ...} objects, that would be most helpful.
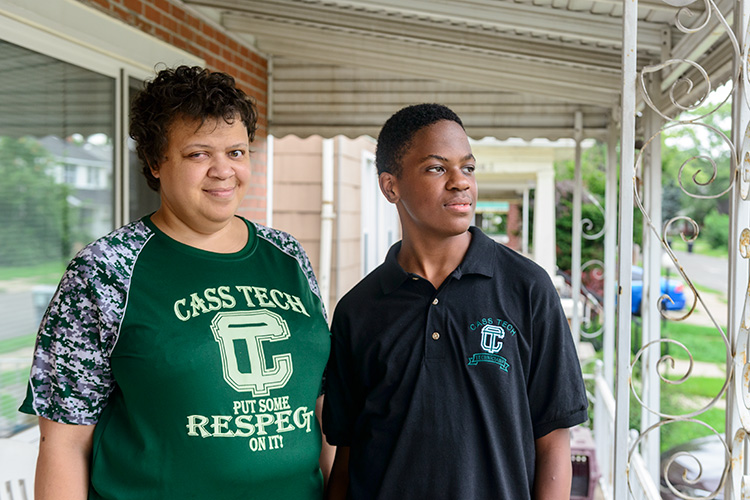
[
  {"x": 269, "y": 181},
  {"x": 379, "y": 218},
  {"x": 326, "y": 221},
  {"x": 121, "y": 165},
  {"x": 367, "y": 221}
]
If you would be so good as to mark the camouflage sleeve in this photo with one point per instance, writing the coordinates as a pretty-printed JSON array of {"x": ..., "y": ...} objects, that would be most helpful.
[{"x": 71, "y": 377}]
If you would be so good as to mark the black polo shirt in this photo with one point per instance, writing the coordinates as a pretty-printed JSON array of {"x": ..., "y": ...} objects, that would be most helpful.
[{"x": 441, "y": 393}]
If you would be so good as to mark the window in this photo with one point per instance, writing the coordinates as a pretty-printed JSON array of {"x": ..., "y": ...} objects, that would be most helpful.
[
  {"x": 49, "y": 112},
  {"x": 68, "y": 175}
]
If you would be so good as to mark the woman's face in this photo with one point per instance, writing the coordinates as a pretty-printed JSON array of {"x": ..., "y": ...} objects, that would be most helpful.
[{"x": 205, "y": 173}]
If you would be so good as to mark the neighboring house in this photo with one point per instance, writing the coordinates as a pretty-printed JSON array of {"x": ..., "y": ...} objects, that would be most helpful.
[{"x": 87, "y": 170}]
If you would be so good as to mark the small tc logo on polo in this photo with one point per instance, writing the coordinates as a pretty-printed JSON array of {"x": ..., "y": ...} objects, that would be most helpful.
[{"x": 492, "y": 336}]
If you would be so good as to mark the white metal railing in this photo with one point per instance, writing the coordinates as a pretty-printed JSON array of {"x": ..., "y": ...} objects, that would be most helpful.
[
  {"x": 641, "y": 483},
  {"x": 604, "y": 430},
  {"x": 14, "y": 377}
]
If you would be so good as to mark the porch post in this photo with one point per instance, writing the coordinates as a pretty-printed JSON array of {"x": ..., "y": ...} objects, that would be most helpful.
[
  {"x": 739, "y": 219},
  {"x": 625, "y": 237},
  {"x": 575, "y": 261},
  {"x": 610, "y": 256},
  {"x": 544, "y": 221},
  {"x": 525, "y": 222},
  {"x": 650, "y": 316},
  {"x": 603, "y": 436}
]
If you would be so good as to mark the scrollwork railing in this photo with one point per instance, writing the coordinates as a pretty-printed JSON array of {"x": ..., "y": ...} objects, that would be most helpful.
[{"x": 698, "y": 178}]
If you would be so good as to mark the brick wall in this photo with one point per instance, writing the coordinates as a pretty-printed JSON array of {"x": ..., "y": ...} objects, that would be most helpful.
[{"x": 174, "y": 24}]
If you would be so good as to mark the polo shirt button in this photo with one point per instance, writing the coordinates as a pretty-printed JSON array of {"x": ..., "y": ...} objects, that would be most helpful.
[
  {"x": 435, "y": 302},
  {"x": 415, "y": 278},
  {"x": 435, "y": 335}
]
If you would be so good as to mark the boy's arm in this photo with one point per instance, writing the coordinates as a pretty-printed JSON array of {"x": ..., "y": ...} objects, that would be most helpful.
[
  {"x": 62, "y": 469},
  {"x": 327, "y": 451},
  {"x": 338, "y": 484},
  {"x": 554, "y": 471}
]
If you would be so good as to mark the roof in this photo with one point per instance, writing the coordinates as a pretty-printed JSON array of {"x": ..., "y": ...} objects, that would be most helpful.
[{"x": 508, "y": 68}]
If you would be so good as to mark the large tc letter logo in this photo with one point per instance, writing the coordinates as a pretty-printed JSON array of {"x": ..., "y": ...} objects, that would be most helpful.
[
  {"x": 250, "y": 329},
  {"x": 491, "y": 338}
]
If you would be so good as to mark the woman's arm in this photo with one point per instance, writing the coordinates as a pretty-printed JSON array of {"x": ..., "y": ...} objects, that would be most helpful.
[
  {"x": 554, "y": 471},
  {"x": 62, "y": 469}
]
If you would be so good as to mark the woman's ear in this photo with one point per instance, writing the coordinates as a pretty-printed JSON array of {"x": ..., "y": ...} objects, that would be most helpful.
[
  {"x": 389, "y": 186},
  {"x": 154, "y": 171}
]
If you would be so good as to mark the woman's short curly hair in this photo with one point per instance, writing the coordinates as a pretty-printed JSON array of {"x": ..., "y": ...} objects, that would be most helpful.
[
  {"x": 396, "y": 135},
  {"x": 192, "y": 93}
]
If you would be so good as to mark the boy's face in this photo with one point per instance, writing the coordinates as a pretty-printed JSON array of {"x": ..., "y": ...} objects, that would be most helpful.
[{"x": 435, "y": 192}]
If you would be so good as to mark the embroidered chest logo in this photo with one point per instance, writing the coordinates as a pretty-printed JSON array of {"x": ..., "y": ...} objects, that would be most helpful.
[
  {"x": 492, "y": 338},
  {"x": 492, "y": 334}
]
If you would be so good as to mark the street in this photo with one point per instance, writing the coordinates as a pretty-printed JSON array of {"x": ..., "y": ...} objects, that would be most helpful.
[{"x": 709, "y": 272}]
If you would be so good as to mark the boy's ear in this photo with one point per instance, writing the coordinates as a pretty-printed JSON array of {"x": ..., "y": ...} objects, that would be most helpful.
[{"x": 388, "y": 186}]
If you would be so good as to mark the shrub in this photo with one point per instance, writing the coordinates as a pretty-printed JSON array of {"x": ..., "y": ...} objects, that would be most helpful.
[{"x": 716, "y": 229}]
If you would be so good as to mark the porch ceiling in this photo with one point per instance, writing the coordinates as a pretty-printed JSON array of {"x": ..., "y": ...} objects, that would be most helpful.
[{"x": 508, "y": 68}]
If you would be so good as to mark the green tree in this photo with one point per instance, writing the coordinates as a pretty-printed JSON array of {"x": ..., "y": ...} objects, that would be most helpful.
[
  {"x": 593, "y": 172},
  {"x": 34, "y": 213},
  {"x": 716, "y": 229},
  {"x": 689, "y": 154}
]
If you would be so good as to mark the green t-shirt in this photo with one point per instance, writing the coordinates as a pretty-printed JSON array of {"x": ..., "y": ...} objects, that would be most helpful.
[{"x": 200, "y": 370}]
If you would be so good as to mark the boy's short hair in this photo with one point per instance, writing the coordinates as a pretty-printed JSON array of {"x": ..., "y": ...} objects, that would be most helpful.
[
  {"x": 396, "y": 135},
  {"x": 191, "y": 93}
]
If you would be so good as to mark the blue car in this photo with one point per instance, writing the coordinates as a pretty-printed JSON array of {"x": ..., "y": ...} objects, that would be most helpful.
[{"x": 673, "y": 288}]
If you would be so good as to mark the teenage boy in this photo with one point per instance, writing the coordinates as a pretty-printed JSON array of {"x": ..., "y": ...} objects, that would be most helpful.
[{"x": 453, "y": 373}]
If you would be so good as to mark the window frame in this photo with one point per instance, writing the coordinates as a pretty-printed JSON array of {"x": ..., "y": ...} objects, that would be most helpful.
[{"x": 82, "y": 36}]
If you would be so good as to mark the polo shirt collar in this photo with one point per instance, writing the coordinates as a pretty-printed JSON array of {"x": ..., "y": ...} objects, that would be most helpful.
[{"x": 479, "y": 259}]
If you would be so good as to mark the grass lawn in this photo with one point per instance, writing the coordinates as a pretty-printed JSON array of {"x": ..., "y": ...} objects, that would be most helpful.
[
  {"x": 15, "y": 343},
  {"x": 13, "y": 381},
  {"x": 704, "y": 342},
  {"x": 680, "y": 400},
  {"x": 674, "y": 401},
  {"x": 707, "y": 346},
  {"x": 48, "y": 273},
  {"x": 700, "y": 246}
]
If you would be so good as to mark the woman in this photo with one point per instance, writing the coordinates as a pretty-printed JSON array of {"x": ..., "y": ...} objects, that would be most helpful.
[{"x": 183, "y": 353}]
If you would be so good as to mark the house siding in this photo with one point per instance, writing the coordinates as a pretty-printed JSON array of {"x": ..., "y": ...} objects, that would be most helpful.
[{"x": 297, "y": 202}]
